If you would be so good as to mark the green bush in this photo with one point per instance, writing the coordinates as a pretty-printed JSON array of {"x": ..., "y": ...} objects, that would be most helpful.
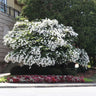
[
  {"x": 35, "y": 70},
  {"x": 92, "y": 61},
  {"x": 81, "y": 69},
  {"x": 69, "y": 71}
]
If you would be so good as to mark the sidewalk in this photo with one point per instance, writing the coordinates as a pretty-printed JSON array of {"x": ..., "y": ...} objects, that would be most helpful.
[{"x": 30, "y": 85}]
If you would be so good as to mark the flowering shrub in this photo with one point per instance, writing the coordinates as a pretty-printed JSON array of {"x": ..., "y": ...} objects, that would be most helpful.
[
  {"x": 43, "y": 42},
  {"x": 45, "y": 79}
]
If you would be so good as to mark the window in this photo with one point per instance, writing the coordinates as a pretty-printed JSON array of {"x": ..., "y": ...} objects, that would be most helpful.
[
  {"x": 3, "y": 1},
  {"x": 3, "y": 6}
]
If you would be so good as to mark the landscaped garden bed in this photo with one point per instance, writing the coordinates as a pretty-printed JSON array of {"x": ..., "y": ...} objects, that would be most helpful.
[
  {"x": 45, "y": 79},
  {"x": 49, "y": 46},
  {"x": 86, "y": 77}
]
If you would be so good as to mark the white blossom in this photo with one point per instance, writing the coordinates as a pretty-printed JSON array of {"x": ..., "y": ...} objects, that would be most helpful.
[{"x": 43, "y": 43}]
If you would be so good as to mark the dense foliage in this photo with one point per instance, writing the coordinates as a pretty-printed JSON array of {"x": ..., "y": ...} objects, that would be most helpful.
[
  {"x": 43, "y": 42},
  {"x": 80, "y": 14}
]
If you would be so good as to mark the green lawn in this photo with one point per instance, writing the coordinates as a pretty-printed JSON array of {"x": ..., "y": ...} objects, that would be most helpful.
[
  {"x": 93, "y": 78},
  {"x": 3, "y": 79},
  {"x": 88, "y": 80}
]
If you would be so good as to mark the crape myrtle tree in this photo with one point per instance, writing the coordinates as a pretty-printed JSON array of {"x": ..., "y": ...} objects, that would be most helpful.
[
  {"x": 43, "y": 42},
  {"x": 80, "y": 14}
]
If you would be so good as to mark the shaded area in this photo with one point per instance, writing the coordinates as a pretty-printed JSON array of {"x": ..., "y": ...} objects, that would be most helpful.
[{"x": 63, "y": 69}]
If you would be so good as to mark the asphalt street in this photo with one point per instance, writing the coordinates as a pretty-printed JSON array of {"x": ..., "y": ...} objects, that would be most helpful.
[{"x": 49, "y": 91}]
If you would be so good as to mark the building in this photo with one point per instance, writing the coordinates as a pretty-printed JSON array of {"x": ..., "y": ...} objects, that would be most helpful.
[{"x": 9, "y": 9}]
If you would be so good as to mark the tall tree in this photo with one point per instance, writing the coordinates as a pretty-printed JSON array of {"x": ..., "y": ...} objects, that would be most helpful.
[{"x": 80, "y": 14}]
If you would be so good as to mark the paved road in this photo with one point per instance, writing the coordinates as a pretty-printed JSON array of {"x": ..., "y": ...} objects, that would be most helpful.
[{"x": 49, "y": 91}]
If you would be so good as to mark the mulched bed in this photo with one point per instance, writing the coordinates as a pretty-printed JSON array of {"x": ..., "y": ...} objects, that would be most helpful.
[{"x": 88, "y": 74}]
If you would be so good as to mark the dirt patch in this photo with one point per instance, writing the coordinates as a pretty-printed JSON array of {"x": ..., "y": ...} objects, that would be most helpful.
[{"x": 88, "y": 74}]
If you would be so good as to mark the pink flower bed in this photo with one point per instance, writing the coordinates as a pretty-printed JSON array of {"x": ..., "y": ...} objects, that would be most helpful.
[{"x": 45, "y": 79}]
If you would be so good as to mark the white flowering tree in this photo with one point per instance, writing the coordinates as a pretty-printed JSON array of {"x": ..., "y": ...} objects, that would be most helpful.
[{"x": 44, "y": 43}]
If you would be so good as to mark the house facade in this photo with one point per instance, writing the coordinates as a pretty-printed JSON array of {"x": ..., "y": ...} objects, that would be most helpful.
[
  {"x": 14, "y": 4},
  {"x": 9, "y": 9}
]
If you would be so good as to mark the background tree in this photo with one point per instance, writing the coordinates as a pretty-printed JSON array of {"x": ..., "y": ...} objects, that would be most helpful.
[{"x": 80, "y": 14}]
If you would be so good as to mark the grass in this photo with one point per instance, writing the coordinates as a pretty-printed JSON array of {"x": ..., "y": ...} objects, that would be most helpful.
[
  {"x": 87, "y": 80},
  {"x": 3, "y": 79}
]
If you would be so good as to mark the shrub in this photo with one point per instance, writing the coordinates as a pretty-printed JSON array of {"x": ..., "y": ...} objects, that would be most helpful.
[
  {"x": 43, "y": 42},
  {"x": 49, "y": 71},
  {"x": 81, "y": 69},
  {"x": 69, "y": 71},
  {"x": 17, "y": 70},
  {"x": 35, "y": 70}
]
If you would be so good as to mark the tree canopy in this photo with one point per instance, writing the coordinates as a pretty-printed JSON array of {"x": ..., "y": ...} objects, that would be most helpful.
[
  {"x": 80, "y": 14},
  {"x": 44, "y": 42}
]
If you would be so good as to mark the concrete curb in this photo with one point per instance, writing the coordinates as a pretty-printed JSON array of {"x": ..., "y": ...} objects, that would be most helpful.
[
  {"x": 4, "y": 74},
  {"x": 26, "y": 85}
]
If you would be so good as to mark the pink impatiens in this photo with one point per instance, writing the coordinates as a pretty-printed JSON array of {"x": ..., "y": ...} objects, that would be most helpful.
[{"x": 45, "y": 79}]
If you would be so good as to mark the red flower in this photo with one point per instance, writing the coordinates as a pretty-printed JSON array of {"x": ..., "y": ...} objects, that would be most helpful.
[
  {"x": 47, "y": 79},
  {"x": 53, "y": 80},
  {"x": 15, "y": 80}
]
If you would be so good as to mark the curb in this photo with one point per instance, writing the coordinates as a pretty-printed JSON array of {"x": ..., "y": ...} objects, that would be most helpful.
[
  {"x": 24, "y": 85},
  {"x": 4, "y": 74}
]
